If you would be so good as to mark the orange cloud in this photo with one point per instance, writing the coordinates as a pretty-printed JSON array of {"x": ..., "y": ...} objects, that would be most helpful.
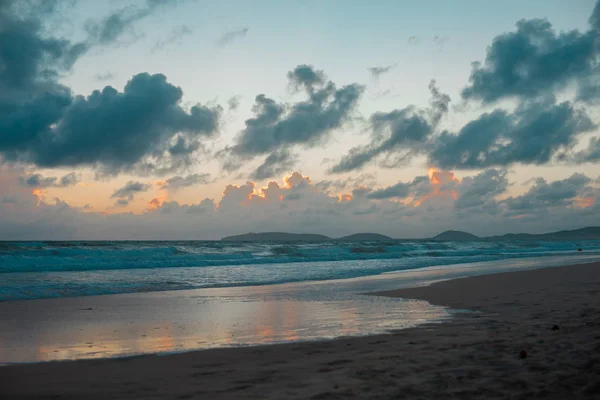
[
  {"x": 39, "y": 193},
  {"x": 584, "y": 202},
  {"x": 441, "y": 186},
  {"x": 245, "y": 195},
  {"x": 295, "y": 179},
  {"x": 344, "y": 197},
  {"x": 155, "y": 203}
]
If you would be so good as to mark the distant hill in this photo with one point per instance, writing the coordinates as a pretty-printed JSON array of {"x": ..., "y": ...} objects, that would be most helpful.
[
  {"x": 277, "y": 237},
  {"x": 365, "y": 237},
  {"x": 588, "y": 233},
  {"x": 455, "y": 236}
]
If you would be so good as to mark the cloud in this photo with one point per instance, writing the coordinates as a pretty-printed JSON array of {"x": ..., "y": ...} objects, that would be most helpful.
[
  {"x": 417, "y": 187},
  {"x": 595, "y": 17},
  {"x": 590, "y": 154},
  {"x": 376, "y": 72},
  {"x": 177, "y": 33},
  {"x": 534, "y": 133},
  {"x": 481, "y": 189},
  {"x": 281, "y": 126},
  {"x": 31, "y": 62},
  {"x": 306, "y": 76},
  {"x": 111, "y": 28},
  {"x": 233, "y": 103},
  {"x": 107, "y": 76},
  {"x": 400, "y": 134},
  {"x": 414, "y": 40},
  {"x": 276, "y": 163},
  {"x": 126, "y": 193},
  {"x": 438, "y": 189},
  {"x": 142, "y": 129},
  {"x": 534, "y": 60},
  {"x": 530, "y": 65},
  {"x": 440, "y": 41},
  {"x": 543, "y": 196},
  {"x": 38, "y": 181},
  {"x": 178, "y": 182},
  {"x": 231, "y": 36},
  {"x": 9, "y": 200},
  {"x": 364, "y": 180},
  {"x": 300, "y": 205},
  {"x": 122, "y": 202}
]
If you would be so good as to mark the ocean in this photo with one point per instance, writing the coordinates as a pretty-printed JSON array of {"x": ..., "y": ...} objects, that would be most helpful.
[{"x": 35, "y": 270}]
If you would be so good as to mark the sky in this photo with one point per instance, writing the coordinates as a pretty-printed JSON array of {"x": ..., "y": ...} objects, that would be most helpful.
[{"x": 190, "y": 119}]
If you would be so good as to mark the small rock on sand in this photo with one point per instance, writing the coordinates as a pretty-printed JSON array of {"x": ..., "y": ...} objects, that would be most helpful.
[{"x": 522, "y": 354}]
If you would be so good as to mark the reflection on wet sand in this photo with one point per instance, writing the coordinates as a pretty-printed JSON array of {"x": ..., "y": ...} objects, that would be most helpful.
[
  {"x": 121, "y": 325},
  {"x": 124, "y": 325}
]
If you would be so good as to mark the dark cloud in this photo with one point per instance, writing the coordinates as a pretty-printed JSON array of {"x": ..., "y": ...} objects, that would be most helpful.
[
  {"x": 30, "y": 62},
  {"x": 590, "y": 154},
  {"x": 233, "y": 103},
  {"x": 178, "y": 182},
  {"x": 419, "y": 186},
  {"x": 339, "y": 184},
  {"x": 31, "y": 100},
  {"x": 530, "y": 65},
  {"x": 595, "y": 17},
  {"x": 306, "y": 76},
  {"x": 126, "y": 193},
  {"x": 376, "y": 72},
  {"x": 143, "y": 128},
  {"x": 481, "y": 189},
  {"x": 543, "y": 195},
  {"x": 183, "y": 147},
  {"x": 533, "y": 134},
  {"x": 231, "y": 36},
  {"x": 38, "y": 181},
  {"x": 109, "y": 29},
  {"x": 122, "y": 202},
  {"x": 276, "y": 163},
  {"x": 400, "y": 134},
  {"x": 535, "y": 60},
  {"x": 589, "y": 90},
  {"x": 277, "y": 126}
]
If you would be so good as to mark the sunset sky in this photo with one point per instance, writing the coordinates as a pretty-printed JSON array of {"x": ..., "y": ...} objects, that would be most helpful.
[{"x": 189, "y": 119}]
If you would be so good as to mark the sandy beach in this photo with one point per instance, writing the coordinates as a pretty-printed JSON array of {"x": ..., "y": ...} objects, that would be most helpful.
[{"x": 534, "y": 334}]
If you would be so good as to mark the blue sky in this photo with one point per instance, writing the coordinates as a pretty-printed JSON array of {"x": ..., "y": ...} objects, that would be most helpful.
[{"x": 220, "y": 53}]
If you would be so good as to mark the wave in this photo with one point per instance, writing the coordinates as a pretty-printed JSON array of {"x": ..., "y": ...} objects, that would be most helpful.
[
  {"x": 92, "y": 256},
  {"x": 63, "y": 269}
]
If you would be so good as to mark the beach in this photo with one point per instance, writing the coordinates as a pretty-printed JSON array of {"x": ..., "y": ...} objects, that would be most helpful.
[{"x": 529, "y": 334}]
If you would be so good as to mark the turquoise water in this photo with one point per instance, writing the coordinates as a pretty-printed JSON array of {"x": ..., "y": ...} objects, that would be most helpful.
[{"x": 66, "y": 269}]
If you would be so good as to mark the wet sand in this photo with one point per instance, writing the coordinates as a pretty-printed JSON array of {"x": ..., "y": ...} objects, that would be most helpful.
[{"x": 535, "y": 334}]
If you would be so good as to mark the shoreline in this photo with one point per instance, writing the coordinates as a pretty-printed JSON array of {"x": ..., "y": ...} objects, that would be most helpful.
[
  {"x": 553, "y": 314},
  {"x": 179, "y": 321}
]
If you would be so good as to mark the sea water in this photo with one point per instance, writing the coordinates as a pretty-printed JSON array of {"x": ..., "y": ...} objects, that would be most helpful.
[
  {"x": 249, "y": 293},
  {"x": 30, "y": 270}
]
